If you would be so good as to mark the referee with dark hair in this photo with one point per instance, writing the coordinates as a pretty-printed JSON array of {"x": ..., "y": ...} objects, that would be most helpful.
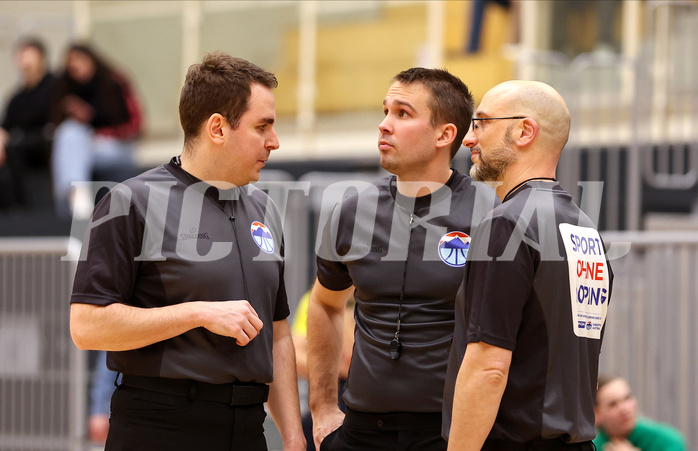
[
  {"x": 398, "y": 246},
  {"x": 181, "y": 280}
]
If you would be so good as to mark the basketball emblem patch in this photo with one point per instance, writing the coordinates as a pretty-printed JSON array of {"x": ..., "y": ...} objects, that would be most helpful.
[
  {"x": 262, "y": 237},
  {"x": 453, "y": 248}
]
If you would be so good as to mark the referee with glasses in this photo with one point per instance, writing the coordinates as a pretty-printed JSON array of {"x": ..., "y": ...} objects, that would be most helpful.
[
  {"x": 523, "y": 369},
  {"x": 181, "y": 281}
]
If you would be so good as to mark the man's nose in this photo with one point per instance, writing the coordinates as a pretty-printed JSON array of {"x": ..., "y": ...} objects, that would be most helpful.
[
  {"x": 470, "y": 140},
  {"x": 385, "y": 126},
  {"x": 272, "y": 141}
]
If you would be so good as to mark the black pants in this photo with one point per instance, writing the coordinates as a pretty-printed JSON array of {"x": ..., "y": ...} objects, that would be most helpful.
[
  {"x": 148, "y": 421},
  {"x": 390, "y": 432},
  {"x": 537, "y": 445}
]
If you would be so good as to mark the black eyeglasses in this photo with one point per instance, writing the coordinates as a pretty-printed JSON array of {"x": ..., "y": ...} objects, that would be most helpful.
[{"x": 494, "y": 119}]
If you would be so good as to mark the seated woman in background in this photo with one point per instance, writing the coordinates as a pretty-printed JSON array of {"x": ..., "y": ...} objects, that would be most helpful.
[
  {"x": 621, "y": 428},
  {"x": 98, "y": 118}
]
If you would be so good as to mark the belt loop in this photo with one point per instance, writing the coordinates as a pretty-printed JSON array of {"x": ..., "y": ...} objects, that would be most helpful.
[
  {"x": 116, "y": 379},
  {"x": 192, "y": 390}
]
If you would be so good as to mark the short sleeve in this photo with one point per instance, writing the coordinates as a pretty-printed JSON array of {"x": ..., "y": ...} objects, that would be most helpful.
[
  {"x": 331, "y": 272},
  {"x": 281, "y": 309},
  {"x": 107, "y": 269},
  {"x": 498, "y": 283},
  {"x": 333, "y": 275}
]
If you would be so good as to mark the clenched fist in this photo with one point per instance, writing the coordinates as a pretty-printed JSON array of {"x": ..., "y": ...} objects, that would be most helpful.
[{"x": 235, "y": 319}]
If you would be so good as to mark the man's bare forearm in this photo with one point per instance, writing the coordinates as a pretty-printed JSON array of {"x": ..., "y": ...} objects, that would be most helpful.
[
  {"x": 120, "y": 327},
  {"x": 283, "y": 393},
  {"x": 480, "y": 385},
  {"x": 325, "y": 336}
]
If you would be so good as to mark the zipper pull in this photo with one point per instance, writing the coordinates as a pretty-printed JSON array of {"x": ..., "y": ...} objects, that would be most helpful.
[{"x": 411, "y": 218}]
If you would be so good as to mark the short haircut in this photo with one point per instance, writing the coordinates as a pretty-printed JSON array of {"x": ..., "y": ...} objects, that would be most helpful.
[
  {"x": 450, "y": 100},
  {"x": 32, "y": 42},
  {"x": 219, "y": 84}
]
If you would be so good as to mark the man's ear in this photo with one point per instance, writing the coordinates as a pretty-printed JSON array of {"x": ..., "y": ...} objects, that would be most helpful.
[
  {"x": 448, "y": 134},
  {"x": 526, "y": 132},
  {"x": 213, "y": 129}
]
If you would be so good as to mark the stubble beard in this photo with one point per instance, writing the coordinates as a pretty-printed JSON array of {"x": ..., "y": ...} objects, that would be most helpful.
[
  {"x": 490, "y": 169},
  {"x": 386, "y": 163}
]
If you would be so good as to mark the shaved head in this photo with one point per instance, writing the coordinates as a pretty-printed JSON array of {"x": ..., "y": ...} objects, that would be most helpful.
[{"x": 534, "y": 99}]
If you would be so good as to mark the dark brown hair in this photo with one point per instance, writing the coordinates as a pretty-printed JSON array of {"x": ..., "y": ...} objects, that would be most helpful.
[
  {"x": 450, "y": 101},
  {"x": 219, "y": 84},
  {"x": 103, "y": 89}
]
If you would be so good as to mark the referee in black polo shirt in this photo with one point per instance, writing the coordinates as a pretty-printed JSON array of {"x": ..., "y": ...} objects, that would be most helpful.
[
  {"x": 181, "y": 280},
  {"x": 530, "y": 319},
  {"x": 398, "y": 247}
]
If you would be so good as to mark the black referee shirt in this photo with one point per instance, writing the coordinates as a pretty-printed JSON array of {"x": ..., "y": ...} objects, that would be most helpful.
[
  {"x": 537, "y": 283},
  {"x": 165, "y": 237},
  {"x": 390, "y": 246}
]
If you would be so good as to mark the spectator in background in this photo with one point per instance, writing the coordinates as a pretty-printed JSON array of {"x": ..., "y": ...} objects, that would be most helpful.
[
  {"x": 25, "y": 134},
  {"x": 98, "y": 119},
  {"x": 101, "y": 390},
  {"x": 620, "y": 429}
]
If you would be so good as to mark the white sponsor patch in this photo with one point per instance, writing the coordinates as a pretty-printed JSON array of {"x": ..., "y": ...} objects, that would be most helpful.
[{"x": 589, "y": 279}]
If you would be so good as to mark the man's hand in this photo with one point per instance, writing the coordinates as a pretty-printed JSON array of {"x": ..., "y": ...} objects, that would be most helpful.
[
  {"x": 98, "y": 427},
  {"x": 619, "y": 445},
  {"x": 120, "y": 327},
  {"x": 326, "y": 422},
  {"x": 235, "y": 319}
]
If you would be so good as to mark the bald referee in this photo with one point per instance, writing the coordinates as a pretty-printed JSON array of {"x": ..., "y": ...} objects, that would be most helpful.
[
  {"x": 529, "y": 322},
  {"x": 181, "y": 280}
]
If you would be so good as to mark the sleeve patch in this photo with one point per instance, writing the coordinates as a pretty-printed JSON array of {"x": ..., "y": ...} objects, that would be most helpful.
[{"x": 589, "y": 279}]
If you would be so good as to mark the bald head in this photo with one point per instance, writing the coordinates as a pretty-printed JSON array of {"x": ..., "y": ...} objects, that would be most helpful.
[{"x": 537, "y": 100}]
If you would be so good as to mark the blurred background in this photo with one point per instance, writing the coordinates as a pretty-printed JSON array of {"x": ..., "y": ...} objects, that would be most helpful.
[{"x": 627, "y": 69}]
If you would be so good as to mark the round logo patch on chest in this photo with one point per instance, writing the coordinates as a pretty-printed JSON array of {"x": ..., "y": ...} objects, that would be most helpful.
[
  {"x": 453, "y": 248},
  {"x": 262, "y": 237}
]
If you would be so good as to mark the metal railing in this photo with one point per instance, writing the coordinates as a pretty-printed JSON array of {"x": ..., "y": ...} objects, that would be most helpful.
[
  {"x": 42, "y": 374},
  {"x": 633, "y": 117},
  {"x": 650, "y": 336}
]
